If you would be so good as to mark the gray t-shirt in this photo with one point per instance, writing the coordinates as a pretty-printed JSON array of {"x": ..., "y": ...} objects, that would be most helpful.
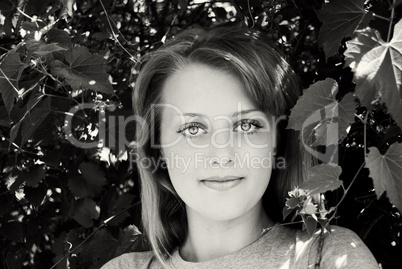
[{"x": 281, "y": 247}]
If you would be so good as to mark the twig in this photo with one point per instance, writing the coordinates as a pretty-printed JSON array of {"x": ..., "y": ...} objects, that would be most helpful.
[
  {"x": 103, "y": 224},
  {"x": 390, "y": 23},
  {"x": 5, "y": 76},
  {"x": 320, "y": 246},
  {"x": 380, "y": 17},
  {"x": 346, "y": 191},
  {"x": 251, "y": 15},
  {"x": 134, "y": 59}
]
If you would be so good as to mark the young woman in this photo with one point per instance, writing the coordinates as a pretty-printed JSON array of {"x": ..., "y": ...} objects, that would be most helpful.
[{"x": 216, "y": 161}]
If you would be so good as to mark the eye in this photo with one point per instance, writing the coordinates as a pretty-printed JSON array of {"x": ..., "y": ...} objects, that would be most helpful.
[
  {"x": 247, "y": 126},
  {"x": 192, "y": 129}
]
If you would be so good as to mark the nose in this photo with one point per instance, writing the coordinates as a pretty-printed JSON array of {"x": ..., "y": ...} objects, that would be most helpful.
[{"x": 221, "y": 148}]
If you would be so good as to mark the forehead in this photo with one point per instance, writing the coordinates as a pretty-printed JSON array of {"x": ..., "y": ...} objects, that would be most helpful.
[{"x": 198, "y": 88}]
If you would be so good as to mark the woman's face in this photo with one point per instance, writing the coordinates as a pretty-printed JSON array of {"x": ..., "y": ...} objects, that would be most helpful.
[{"x": 218, "y": 147}]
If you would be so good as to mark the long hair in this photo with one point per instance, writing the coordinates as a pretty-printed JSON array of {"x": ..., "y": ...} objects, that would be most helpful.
[{"x": 270, "y": 84}]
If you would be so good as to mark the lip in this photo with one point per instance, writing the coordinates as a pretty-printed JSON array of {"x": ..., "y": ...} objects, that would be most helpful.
[{"x": 222, "y": 183}]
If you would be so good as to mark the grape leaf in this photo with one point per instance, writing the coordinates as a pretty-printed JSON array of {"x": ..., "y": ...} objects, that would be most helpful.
[
  {"x": 68, "y": 6},
  {"x": 90, "y": 183},
  {"x": 320, "y": 99},
  {"x": 10, "y": 72},
  {"x": 340, "y": 19},
  {"x": 322, "y": 178},
  {"x": 85, "y": 212},
  {"x": 116, "y": 208},
  {"x": 12, "y": 230},
  {"x": 33, "y": 177},
  {"x": 396, "y": 3},
  {"x": 379, "y": 71},
  {"x": 35, "y": 195},
  {"x": 309, "y": 224},
  {"x": 42, "y": 49},
  {"x": 30, "y": 117},
  {"x": 93, "y": 175},
  {"x": 386, "y": 171},
  {"x": 15, "y": 257},
  {"x": 127, "y": 238},
  {"x": 83, "y": 70},
  {"x": 60, "y": 37}
]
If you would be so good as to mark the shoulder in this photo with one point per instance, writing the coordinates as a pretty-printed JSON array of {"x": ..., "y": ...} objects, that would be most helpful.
[
  {"x": 132, "y": 260},
  {"x": 342, "y": 248}
]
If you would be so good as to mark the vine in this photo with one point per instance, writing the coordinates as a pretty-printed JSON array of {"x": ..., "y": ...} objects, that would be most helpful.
[{"x": 68, "y": 206}]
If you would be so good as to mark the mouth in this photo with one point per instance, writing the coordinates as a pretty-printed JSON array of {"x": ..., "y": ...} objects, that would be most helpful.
[{"x": 222, "y": 183}]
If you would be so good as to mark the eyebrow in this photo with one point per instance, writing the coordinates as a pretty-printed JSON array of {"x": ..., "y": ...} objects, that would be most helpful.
[{"x": 233, "y": 115}]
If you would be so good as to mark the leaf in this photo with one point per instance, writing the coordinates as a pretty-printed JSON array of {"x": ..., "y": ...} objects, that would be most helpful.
[
  {"x": 10, "y": 72},
  {"x": 386, "y": 171},
  {"x": 43, "y": 49},
  {"x": 309, "y": 224},
  {"x": 92, "y": 174},
  {"x": 364, "y": 41},
  {"x": 33, "y": 177},
  {"x": 85, "y": 212},
  {"x": 30, "y": 117},
  {"x": 127, "y": 239},
  {"x": 293, "y": 202},
  {"x": 35, "y": 195},
  {"x": 60, "y": 37},
  {"x": 322, "y": 178},
  {"x": 15, "y": 257},
  {"x": 12, "y": 230},
  {"x": 91, "y": 182},
  {"x": 396, "y": 3},
  {"x": 117, "y": 206},
  {"x": 68, "y": 6},
  {"x": 340, "y": 19},
  {"x": 379, "y": 71},
  {"x": 101, "y": 248},
  {"x": 320, "y": 99},
  {"x": 34, "y": 118},
  {"x": 83, "y": 70}
]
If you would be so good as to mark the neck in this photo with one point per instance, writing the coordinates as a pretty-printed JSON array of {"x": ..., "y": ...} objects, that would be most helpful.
[{"x": 210, "y": 239}]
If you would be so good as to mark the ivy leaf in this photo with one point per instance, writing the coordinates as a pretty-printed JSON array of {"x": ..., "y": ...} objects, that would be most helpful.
[
  {"x": 322, "y": 178},
  {"x": 379, "y": 71},
  {"x": 340, "y": 19},
  {"x": 85, "y": 212},
  {"x": 83, "y": 70},
  {"x": 386, "y": 171},
  {"x": 320, "y": 99},
  {"x": 10, "y": 72}
]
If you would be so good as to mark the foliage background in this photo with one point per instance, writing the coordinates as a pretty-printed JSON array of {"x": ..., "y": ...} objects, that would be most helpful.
[{"x": 62, "y": 206}]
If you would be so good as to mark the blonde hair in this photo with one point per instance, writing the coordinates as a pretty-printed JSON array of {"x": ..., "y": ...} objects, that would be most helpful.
[{"x": 269, "y": 82}]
